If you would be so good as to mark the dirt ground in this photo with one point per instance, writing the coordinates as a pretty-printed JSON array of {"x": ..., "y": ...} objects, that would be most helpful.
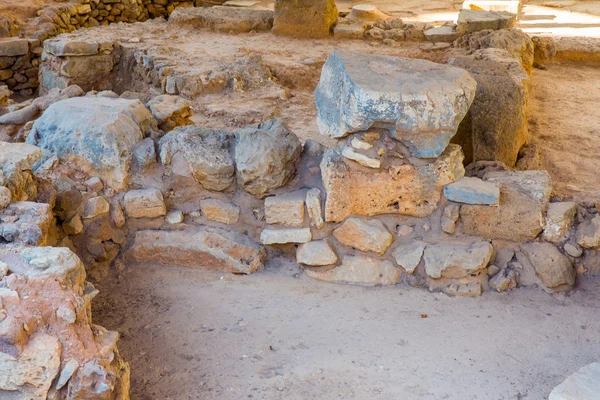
[
  {"x": 277, "y": 334},
  {"x": 565, "y": 123}
]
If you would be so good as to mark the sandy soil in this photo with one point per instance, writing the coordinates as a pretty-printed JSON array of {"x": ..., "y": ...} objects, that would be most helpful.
[
  {"x": 565, "y": 123},
  {"x": 277, "y": 334}
]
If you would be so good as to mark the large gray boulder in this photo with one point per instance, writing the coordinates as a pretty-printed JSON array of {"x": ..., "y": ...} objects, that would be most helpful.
[
  {"x": 266, "y": 156},
  {"x": 97, "y": 134},
  {"x": 420, "y": 101},
  {"x": 206, "y": 151}
]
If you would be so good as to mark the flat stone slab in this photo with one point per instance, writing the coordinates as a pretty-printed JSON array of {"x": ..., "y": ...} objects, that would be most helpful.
[
  {"x": 317, "y": 253},
  {"x": 456, "y": 260},
  {"x": 63, "y": 47},
  {"x": 12, "y": 47},
  {"x": 210, "y": 248},
  {"x": 444, "y": 34},
  {"x": 364, "y": 235},
  {"x": 421, "y": 102},
  {"x": 470, "y": 21},
  {"x": 473, "y": 191},
  {"x": 582, "y": 385},
  {"x": 283, "y": 236},
  {"x": 359, "y": 270}
]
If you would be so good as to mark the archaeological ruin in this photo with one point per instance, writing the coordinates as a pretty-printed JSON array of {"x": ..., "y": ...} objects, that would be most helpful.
[{"x": 299, "y": 199}]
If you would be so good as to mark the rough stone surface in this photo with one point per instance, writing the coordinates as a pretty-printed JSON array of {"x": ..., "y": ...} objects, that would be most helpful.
[
  {"x": 98, "y": 136},
  {"x": 170, "y": 111},
  {"x": 424, "y": 102},
  {"x": 68, "y": 47},
  {"x": 553, "y": 268},
  {"x": 286, "y": 209},
  {"x": 456, "y": 260},
  {"x": 536, "y": 184},
  {"x": 573, "y": 250},
  {"x": 398, "y": 188},
  {"x": 559, "y": 217},
  {"x": 473, "y": 191},
  {"x": 174, "y": 217},
  {"x": 581, "y": 385},
  {"x": 224, "y": 19},
  {"x": 26, "y": 222},
  {"x": 317, "y": 253},
  {"x": 444, "y": 34},
  {"x": 470, "y": 21},
  {"x": 305, "y": 18},
  {"x": 144, "y": 203},
  {"x": 207, "y": 247},
  {"x": 359, "y": 270},
  {"x": 283, "y": 236},
  {"x": 408, "y": 256},
  {"x": 16, "y": 162},
  {"x": 5, "y": 197},
  {"x": 504, "y": 280},
  {"x": 365, "y": 235},
  {"x": 12, "y": 46},
  {"x": 206, "y": 151},
  {"x": 588, "y": 233},
  {"x": 220, "y": 211},
  {"x": 313, "y": 206},
  {"x": 95, "y": 207},
  {"x": 144, "y": 153},
  {"x": 266, "y": 157}
]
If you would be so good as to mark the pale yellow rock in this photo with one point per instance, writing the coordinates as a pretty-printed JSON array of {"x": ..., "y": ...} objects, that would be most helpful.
[
  {"x": 220, "y": 211},
  {"x": 559, "y": 217},
  {"x": 283, "y": 236},
  {"x": 316, "y": 254},
  {"x": 456, "y": 259},
  {"x": 365, "y": 235},
  {"x": 313, "y": 206},
  {"x": 361, "y": 158},
  {"x": 286, "y": 209},
  {"x": 359, "y": 270},
  {"x": 145, "y": 203},
  {"x": 95, "y": 206}
]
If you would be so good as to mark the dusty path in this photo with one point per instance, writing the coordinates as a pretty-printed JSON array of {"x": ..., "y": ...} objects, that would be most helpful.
[
  {"x": 189, "y": 334},
  {"x": 565, "y": 123}
]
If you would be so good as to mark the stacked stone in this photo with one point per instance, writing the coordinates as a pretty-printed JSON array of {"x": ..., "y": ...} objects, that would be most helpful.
[
  {"x": 19, "y": 63},
  {"x": 164, "y": 8}
]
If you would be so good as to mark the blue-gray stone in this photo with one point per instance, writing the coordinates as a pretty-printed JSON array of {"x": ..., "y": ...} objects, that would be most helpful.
[
  {"x": 421, "y": 102},
  {"x": 472, "y": 191}
]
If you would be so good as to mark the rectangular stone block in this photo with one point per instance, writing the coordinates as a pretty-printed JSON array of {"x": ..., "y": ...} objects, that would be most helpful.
[
  {"x": 11, "y": 47},
  {"x": 286, "y": 209},
  {"x": 65, "y": 47}
]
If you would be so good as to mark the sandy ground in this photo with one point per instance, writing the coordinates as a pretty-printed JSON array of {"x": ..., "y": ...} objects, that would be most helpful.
[
  {"x": 565, "y": 123},
  {"x": 277, "y": 334}
]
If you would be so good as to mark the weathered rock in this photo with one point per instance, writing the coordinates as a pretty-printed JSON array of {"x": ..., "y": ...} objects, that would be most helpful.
[
  {"x": 170, "y": 111},
  {"x": 357, "y": 92},
  {"x": 286, "y": 209},
  {"x": 456, "y": 260},
  {"x": 581, "y": 385},
  {"x": 224, "y": 19},
  {"x": 449, "y": 218},
  {"x": 408, "y": 256},
  {"x": 470, "y": 21},
  {"x": 359, "y": 270},
  {"x": 12, "y": 46},
  {"x": 554, "y": 269},
  {"x": 16, "y": 162},
  {"x": 206, "y": 151},
  {"x": 544, "y": 49},
  {"x": 95, "y": 207},
  {"x": 362, "y": 159},
  {"x": 316, "y": 254},
  {"x": 144, "y": 203},
  {"x": 26, "y": 222},
  {"x": 30, "y": 375},
  {"x": 573, "y": 250},
  {"x": 313, "y": 206},
  {"x": 174, "y": 217},
  {"x": 283, "y": 236},
  {"x": 397, "y": 188},
  {"x": 5, "y": 197},
  {"x": 74, "y": 226},
  {"x": 504, "y": 280},
  {"x": 66, "y": 373},
  {"x": 220, "y": 211},
  {"x": 495, "y": 128},
  {"x": 65, "y": 46},
  {"x": 306, "y": 18},
  {"x": 367, "y": 12},
  {"x": 473, "y": 191},
  {"x": 98, "y": 136},
  {"x": 444, "y": 34},
  {"x": 207, "y": 247},
  {"x": 266, "y": 157},
  {"x": 559, "y": 217},
  {"x": 20, "y": 116},
  {"x": 536, "y": 184},
  {"x": 68, "y": 197},
  {"x": 365, "y": 235},
  {"x": 144, "y": 153},
  {"x": 588, "y": 233}
]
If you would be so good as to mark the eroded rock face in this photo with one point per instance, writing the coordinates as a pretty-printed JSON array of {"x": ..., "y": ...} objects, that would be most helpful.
[
  {"x": 305, "y": 18},
  {"x": 26, "y": 222},
  {"x": 212, "y": 248},
  {"x": 16, "y": 162},
  {"x": 365, "y": 235},
  {"x": 456, "y": 260},
  {"x": 397, "y": 188},
  {"x": 98, "y": 136},
  {"x": 316, "y": 253},
  {"x": 420, "y": 101},
  {"x": 206, "y": 151},
  {"x": 359, "y": 270},
  {"x": 266, "y": 157},
  {"x": 170, "y": 111},
  {"x": 554, "y": 269}
]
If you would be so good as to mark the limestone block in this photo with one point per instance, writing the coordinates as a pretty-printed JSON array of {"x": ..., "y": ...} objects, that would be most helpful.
[
  {"x": 210, "y": 248},
  {"x": 455, "y": 259},
  {"x": 588, "y": 233},
  {"x": 171, "y": 111},
  {"x": 313, "y": 206},
  {"x": 554, "y": 269},
  {"x": 358, "y": 91},
  {"x": 286, "y": 209},
  {"x": 95, "y": 207},
  {"x": 559, "y": 218},
  {"x": 224, "y": 19},
  {"x": 87, "y": 67},
  {"x": 365, "y": 235},
  {"x": 283, "y": 236},
  {"x": 63, "y": 47},
  {"x": 359, "y": 270},
  {"x": 144, "y": 203},
  {"x": 220, "y": 211},
  {"x": 408, "y": 255},
  {"x": 470, "y": 21},
  {"x": 584, "y": 384},
  {"x": 315, "y": 254},
  {"x": 16, "y": 162},
  {"x": 396, "y": 188},
  {"x": 304, "y": 18},
  {"x": 26, "y": 222},
  {"x": 12, "y": 46},
  {"x": 470, "y": 190}
]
